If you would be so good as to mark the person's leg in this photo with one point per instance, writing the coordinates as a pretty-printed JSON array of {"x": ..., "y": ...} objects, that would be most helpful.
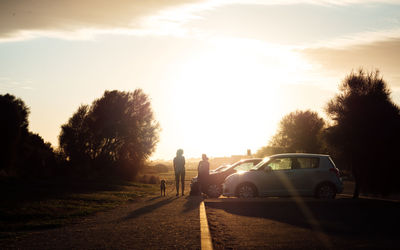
[
  {"x": 177, "y": 183},
  {"x": 204, "y": 185},
  {"x": 183, "y": 182}
]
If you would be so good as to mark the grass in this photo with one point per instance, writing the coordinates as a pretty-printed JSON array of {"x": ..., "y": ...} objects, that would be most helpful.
[
  {"x": 44, "y": 204},
  {"x": 53, "y": 203}
]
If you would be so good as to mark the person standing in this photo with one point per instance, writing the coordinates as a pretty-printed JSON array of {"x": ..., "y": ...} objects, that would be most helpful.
[
  {"x": 179, "y": 168},
  {"x": 203, "y": 172}
]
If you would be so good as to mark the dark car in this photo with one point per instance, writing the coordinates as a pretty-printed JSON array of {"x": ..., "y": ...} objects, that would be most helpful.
[{"x": 218, "y": 176}]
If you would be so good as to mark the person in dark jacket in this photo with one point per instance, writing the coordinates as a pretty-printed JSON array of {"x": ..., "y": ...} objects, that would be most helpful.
[
  {"x": 203, "y": 172},
  {"x": 179, "y": 167}
]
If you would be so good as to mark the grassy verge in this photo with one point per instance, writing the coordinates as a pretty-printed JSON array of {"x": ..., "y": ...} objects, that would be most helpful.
[{"x": 52, "y": 203}]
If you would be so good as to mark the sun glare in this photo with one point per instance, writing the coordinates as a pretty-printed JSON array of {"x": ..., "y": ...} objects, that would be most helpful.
[{"x": 225, "y": 96}]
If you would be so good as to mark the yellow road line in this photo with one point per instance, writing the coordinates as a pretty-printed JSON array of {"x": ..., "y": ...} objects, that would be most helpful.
[{"x": 205, "y": 236}]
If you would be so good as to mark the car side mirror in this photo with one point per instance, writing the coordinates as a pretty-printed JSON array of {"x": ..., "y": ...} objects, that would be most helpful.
[{"x": 267, "y": 169}]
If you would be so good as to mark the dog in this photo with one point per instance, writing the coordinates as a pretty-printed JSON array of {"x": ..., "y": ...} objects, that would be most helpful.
[{"x": 163, "y": 185}]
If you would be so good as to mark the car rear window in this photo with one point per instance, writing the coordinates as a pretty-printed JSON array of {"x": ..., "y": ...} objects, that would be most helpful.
[{"x": 306, "y": 162}]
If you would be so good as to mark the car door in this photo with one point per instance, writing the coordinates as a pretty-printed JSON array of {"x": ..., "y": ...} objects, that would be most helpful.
[
  {"x": 275, "y": 177},
  {"x": 302, "y": 176}
]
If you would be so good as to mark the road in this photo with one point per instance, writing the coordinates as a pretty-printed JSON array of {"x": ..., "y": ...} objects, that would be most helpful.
[
  {"x": 303, "y": 223},
  {"x": 261, "y": 223}
]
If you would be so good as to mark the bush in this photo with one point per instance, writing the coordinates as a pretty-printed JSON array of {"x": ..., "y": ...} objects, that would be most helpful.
[{"x": 148, "y": 179}]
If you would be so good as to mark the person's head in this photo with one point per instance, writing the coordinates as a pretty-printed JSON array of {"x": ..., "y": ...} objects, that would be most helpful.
[
  {"x": 179, "y": 152},
  {"x": 204, "y": 157}
]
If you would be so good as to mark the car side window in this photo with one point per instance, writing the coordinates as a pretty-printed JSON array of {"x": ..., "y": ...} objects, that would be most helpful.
[
  {"x": 246, "y": 166},
  {"x": 305, "y": 162},
  {"x": 280, "y": 164}
]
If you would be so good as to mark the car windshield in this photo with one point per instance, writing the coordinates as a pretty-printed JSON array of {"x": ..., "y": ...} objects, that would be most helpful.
[
  {"x": 260, "y": 164},
  {"x": 222, "y": 168}
]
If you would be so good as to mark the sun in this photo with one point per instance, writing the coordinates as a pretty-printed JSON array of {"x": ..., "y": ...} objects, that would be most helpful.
[{"x": 225, "y": 96}]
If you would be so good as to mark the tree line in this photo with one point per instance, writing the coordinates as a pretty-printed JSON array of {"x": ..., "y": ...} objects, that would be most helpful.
[
  {"x": 117, "y": 133},
  {"x": 111, "y": 137},
  {"x": 362, "y": 133}
]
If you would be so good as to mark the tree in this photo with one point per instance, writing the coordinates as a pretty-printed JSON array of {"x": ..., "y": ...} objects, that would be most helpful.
[
  {"x": 299, "y": 131},
  {"x": 269, "y": 150},
  {"x": 22, "y": 153},
  {"x": 14, "y": 121},
  {"x": 117, "y": 132},
  {"x": 36, "y": 158},
  {"x": 365, "y": 131}
]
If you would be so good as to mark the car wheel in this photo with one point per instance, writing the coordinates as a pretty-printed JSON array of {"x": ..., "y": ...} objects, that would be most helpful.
[
  {"x": 214, "y": 190},
  {"x": 246, "y": 191},
  {"x": 326, "y": 191}
]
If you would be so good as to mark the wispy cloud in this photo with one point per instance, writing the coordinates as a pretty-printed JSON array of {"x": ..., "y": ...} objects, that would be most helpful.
[
  {"x": 370, "y": 54},
  {"x": 357, "y": 39},
  {"x": 25, "y": 18},
  {"x": 9, "y": 85},
  {"x": 73, "y": 19}
]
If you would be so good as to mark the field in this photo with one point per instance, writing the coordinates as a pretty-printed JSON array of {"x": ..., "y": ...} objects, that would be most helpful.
[{"x": 52, "y": 203}]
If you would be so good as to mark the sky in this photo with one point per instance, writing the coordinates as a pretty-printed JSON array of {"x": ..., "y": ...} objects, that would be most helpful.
[{"x": 220, "y": 74}]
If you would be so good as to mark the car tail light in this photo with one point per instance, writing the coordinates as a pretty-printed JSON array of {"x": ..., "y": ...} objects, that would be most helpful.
[{"x": 335, "y": 171}]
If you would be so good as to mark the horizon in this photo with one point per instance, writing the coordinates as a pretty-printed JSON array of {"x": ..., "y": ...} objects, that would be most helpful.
[{"x": 220, "y": 74}]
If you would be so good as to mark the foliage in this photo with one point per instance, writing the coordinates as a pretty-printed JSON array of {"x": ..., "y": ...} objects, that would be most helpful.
[
  {"x": 115, "y": 134},
  {"x": 366, "y": 131},
  {"x": 36, "y": 157},
  {"x": 298, "y": 131},
  {"x": 269, "y": 150},
  {"x": 14, "y": 122},
  {"x": 22, "y": 153}
]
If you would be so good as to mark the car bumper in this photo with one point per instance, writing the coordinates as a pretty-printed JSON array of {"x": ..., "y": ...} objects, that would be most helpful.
[
  {"x": 227, "y": 191},
  {"x": 339, "y": 188}
]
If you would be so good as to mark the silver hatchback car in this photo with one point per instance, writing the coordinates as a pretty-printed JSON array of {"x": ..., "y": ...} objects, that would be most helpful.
[{"x": 287, "y": 175}]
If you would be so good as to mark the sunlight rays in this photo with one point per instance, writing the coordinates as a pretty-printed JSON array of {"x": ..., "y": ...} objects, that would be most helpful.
[{"x": 231, "y": 92}]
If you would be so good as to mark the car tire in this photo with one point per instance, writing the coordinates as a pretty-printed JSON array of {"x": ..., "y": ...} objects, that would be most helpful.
[
  {"x": 214, "y": 190},
  {"x": 325, "y": 191},
  {"x": 246, "y": 190}
]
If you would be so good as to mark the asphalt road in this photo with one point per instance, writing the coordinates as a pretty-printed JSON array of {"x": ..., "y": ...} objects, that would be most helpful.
[
  {"x": 260, "y": 223},
  {"x": 303, "y": 223}
]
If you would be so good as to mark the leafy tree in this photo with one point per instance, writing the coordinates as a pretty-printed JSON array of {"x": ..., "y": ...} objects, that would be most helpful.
[
  {"x": 299, "y": 131},
  {"x": 269, "y": 150},
  {"x": 366, "y": 131},
  {"x": 116, "y": 133},
  {"x": 74, "y": 137},
  {"x": 14, "y": 121},
  {"x": 22, "y": 153},
  {"x": 36, "y": 158}
]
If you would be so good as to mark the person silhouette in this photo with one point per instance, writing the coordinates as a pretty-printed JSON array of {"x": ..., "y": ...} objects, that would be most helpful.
[
  {"x": 203, "y": 173},
  {"x": 179, "y": 168}
]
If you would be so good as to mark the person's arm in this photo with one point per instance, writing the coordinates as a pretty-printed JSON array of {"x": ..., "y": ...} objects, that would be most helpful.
[{"x": 174, "y": 164}]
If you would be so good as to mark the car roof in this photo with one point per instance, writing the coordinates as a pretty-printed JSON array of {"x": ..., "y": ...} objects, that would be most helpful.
[
  {"x": 250, "y": 159},
  {"x": 298, "y": 155}
]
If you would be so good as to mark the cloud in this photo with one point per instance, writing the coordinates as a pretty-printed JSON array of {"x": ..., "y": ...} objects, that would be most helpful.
[
  {"x": 378, "y": 54},
  {"x": 26, "y": 18}
]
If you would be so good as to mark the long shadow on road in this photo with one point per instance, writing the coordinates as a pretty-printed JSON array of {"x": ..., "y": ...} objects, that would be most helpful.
[
  {"x": 192, "y": 202},
  {"x": 149, "y": 208},
  {"x": 342, "y": 217}
]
